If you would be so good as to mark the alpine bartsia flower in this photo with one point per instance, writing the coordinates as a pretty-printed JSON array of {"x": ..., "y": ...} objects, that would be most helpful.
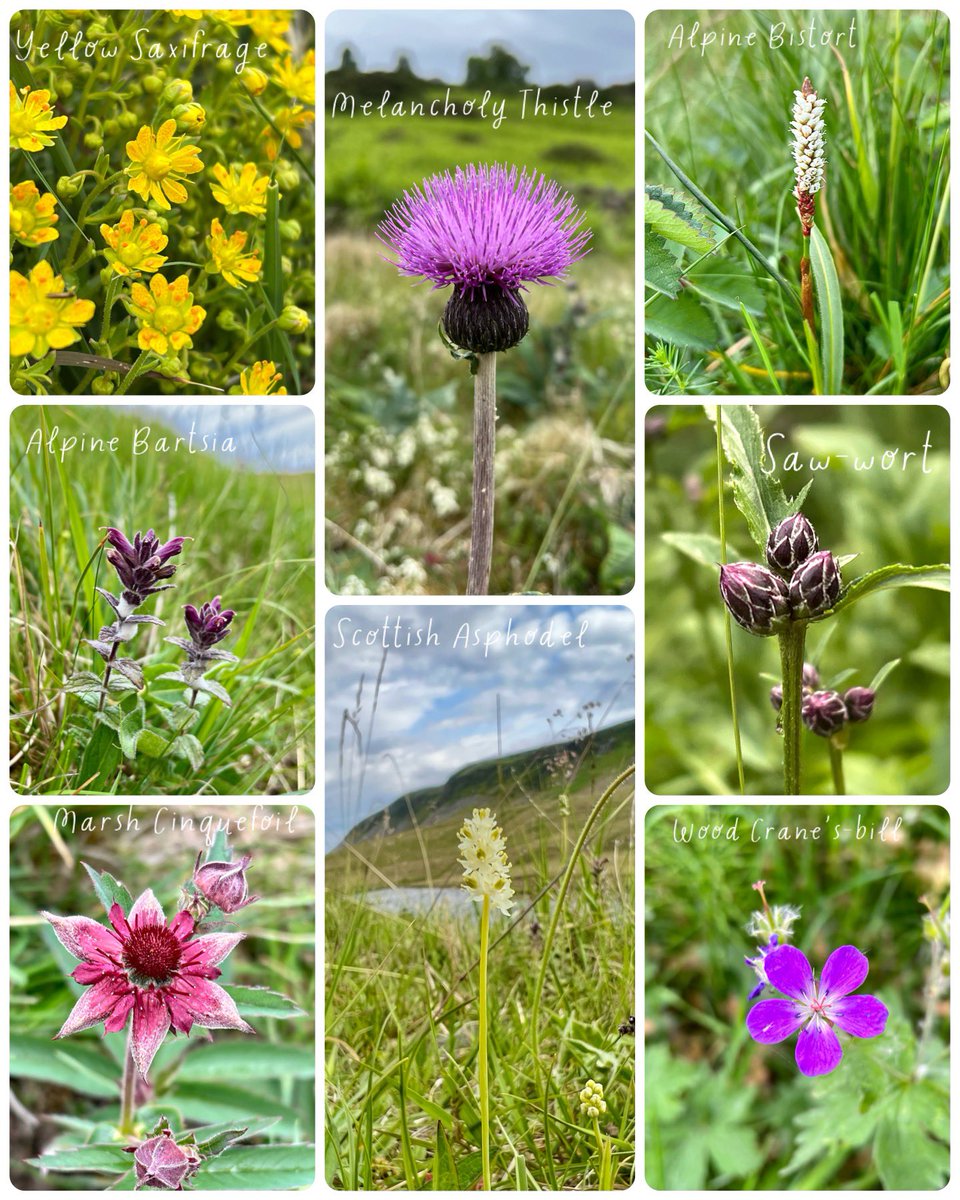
[
  {"x": 161, "y": 1163},
  {"x": 808, "y": 133},
  {"x": 816, "y": 1008},
  {"x": 815, "y": 585},
  {"x": 206, "y": 626},
  {"x": 757, "y": 599},
  {"x": 486, "y": 871},
  {"x": 824, "y": 713},
  {"x": 791, "y": 543},
  {"x": 487, "y": 230},
  {"x": 224, "y": 883},
  {"x": 859, "y": 702},
  {"x": 141, "y": 563},
  {"x": 153, "y": 968}
]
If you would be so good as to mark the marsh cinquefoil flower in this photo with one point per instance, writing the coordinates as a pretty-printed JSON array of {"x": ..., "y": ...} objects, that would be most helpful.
[
  {"x": 488, "y": 231},
  {"x": 162, "y": 1163},
  {"x": 486, "y": 871},
  {"x": 816, "y": 1008},
  {"x": 224, "y": 884},
  {"x": 151, "y": 967}
]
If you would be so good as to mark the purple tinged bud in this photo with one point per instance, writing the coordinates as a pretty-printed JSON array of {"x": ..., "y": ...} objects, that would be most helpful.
[
  {"x": 224, "y": 883},
  {"x": 776, "y": 697},
  {"x": 811, "y": 677},
  {"x": 208, "y": 625},
  {"x": 791, "y": 543},
  {"x": 815, "y": 585},
  {"x": 757, "y": 599},
  {"x": 161, "y": 1163},
  {"x": 824, "y": 713},
  {"x": 859, "y": 702}
]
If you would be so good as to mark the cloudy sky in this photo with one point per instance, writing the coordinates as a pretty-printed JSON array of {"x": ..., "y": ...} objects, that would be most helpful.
[
  {"x": 559, "y": 46},
  {"x": 437, "y": 709},
  {"x": 273, "y": 438}
]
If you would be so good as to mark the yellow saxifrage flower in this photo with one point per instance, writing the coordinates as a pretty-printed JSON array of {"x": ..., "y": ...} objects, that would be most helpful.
[
  {"x": 301, "y": 81},
  {"x": 166, "y": 313},
  {"x": 254, "y": 80},
  {"x": 31, "y": 215},
  {"x": 237, "y": 268},
  {"x": 31, "y": 119},
  {"x": 259, "y": 380},
  {"x": 270, "y": 25},
  {"x": 288, "y": 121},
  {"x": 244, "y": 192},
  {"x": 158, "y": 164},
  {"x": 37, "y": 323},
  {"x": 486, "y": 871},
  {"x": 134, "y": 248}
]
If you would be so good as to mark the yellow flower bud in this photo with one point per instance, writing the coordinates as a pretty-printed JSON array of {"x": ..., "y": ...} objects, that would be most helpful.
[
  {"x": 293, "y": 319},
  {"x": 190, "y": 116},
  {"x": 178, "y": 91},
  {"x": 254, "y": 80}
]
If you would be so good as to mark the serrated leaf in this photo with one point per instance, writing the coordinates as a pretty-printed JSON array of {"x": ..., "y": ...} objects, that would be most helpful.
[
  {"x": 248, "y": 1060},
  {"x": 905, "y": 1158},
  {"x": 130, "y": 729},
  {"x": 131, "y": 670},
  {"x": 683, "y": 206},
  {"x": 259, "y": 1168},
  {"x": 86, "y": 1158},
  {"x": 181, "y": 716},
  {"x": 82, "y": 681},
  {"x": 214, "y": 1146},
  {"x": 41, "y": 1058},
  {"x": 109, "y": 890},
  {"x": 675, "y": 227},
  {"x": 189, "y": 747},
  {"x": 682, "y": 322},
  {"x": 152, "y": 744},
  {"x": 661, "y": 268},
  {"x": 894, "y": 575},
  {"x": 214, "y": 688}
]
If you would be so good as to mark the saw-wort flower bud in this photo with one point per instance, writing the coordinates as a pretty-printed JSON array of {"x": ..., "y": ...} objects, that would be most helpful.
[
  {"x": 757, "y": 599},
  {"x": 224, "y": 883},
  {"x": 776, "y": 697},
  {"x": 811, "y": 677},
  {"x": 791, "y": 543},
  {"x": 859, "y": 702},
  {"x": 815, "y": 585},
  {"x": 824, "y": 713}
]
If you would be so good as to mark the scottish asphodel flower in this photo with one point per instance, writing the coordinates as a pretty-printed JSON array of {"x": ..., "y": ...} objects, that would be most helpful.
[
  {"x": 224, "y": 884},
  {"x": 161, "y": 1163},
  {"x": 486, "y": 871},
  {"x": 816, "y": 1009},
  {"x": 824, "y": 713},
  {"x": 488, "y": 231},
  {"x": 815, "y": 585},
  {"x": 859, "y": 702},
  {"x": 807, "y": 129},
  {"x": 151, "y": 967},
  {"x": 791, "y": 543},
  {"x": 757, "y": 599}
]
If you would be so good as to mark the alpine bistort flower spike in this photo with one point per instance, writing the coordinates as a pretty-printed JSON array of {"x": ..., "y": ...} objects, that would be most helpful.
[
  {"x": 815, "y": 1007},
  {"x": 808, "y": 137},
  {"x": 487, "y": 231},
  {"x": 206, "y": 626}
]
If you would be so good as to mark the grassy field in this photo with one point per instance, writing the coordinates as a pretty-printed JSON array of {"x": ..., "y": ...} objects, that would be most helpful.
[{"x": 253, "y": 539}]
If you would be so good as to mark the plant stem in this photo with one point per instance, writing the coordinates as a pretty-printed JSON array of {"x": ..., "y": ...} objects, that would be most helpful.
[
  {"x": 193, "y": 697},
  {"x": 806, "y": 291},
  {"x": 484, "y": 448},
  {"x": 142, "y": 364},
  {"x": 113, "y": 293},
  {"x": 483, "y": 1065},
  {"x": 128, "y": 1083},
  {"x": 726, "y": 611},
  {"x": 106, "y": 675},
  {"x": 791, "y": 667},
  {"x": 836, "y": 765}
]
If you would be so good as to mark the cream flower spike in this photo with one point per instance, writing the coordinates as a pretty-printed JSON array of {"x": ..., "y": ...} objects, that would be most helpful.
[{"x": 486, "y": 871}]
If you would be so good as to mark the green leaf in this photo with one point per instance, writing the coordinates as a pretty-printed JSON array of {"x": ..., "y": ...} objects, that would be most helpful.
[
  {"x": 100, "y": 759},
  {"x": 83, "y": 1070},
  {"x": 214, "y": 688},
  {"x": 676, "y": 223},
  {"x": 830, "y": 308},
  {"x": 152, "y": 744},
  {"x": 220, "y": 850},
  {"x": 445, "y": 1178},
  {"x": 905, "y": 1157},
  {"x": 109, "y": 890},
  {"x": 261, "y": 1002},
  {"x": 734, "y": 1149},
  {"x": 431, "y": 1109},
  {"x": 682, "y": 322},
  {"x": 247, "y": 1060},
  {"x": 703, "y": 548},
  {"x": 893, "y": 576},
  {"x": 883, "y": 673},
  {"x": 715, "y": 280},
  {"x": 206, "y": 1102},
  {"x": 661, "y": 268},
  {"x": 130, "y": 729},
  {"x": 259, "y": 1168},
  {"x": 617, "y": 567},
  {"x": 86, "y": 1158},
  {"x": 214, "y": 1146},
  {"x": 189, "y": 747}
]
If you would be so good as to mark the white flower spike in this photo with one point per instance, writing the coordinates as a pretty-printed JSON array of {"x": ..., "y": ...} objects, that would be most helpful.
[
  {"x": 808, "y": 143},
  {"x": 486, "y": 871}
]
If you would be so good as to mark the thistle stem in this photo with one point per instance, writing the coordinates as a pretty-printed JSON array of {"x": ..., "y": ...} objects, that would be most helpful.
[
  {"x": 128, "y": 1084},
  {"x": 484, "y": 448},
  {"x": 483, "y": 1065},
  {"x": 791, "y": 667},
  {"x": 836, "y": 765},
  {"x": 106, "y": 675}
]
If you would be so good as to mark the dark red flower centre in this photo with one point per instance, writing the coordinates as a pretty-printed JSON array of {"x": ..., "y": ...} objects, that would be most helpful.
[{"x": 152, "y": 952}]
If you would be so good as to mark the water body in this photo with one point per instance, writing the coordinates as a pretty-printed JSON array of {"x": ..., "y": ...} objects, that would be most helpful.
[{"x": 420, "y": 900}]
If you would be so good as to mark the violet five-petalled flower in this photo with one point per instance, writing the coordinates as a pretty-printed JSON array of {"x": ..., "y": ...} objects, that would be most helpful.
[
  {"x": 816, "y": 1008},
  {"x": 151, "y": 967},
  {"x": 487, "y": 230},
  {"x": 142, "y": 562}
]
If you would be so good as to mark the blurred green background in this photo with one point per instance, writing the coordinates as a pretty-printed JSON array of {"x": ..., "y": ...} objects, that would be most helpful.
[
  {"x": 883, "y": 516},
  {"x": 724, "y": 1112}
]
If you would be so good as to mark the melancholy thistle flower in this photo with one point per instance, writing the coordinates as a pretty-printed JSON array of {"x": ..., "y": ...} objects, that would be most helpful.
[
  {"x": 816, "y": 1008},
  {"x": 32, "y": 218},
  {"x": 488, "y": 231},
  {"x": 32, "y": 120},
  {"x": 260, "y": 380},
  {"x": 133, "y": 248},
  {"x": 206, "y": 626},
  {"x": 38, "y": 322},
  {"x": 486, "y": 871},
  {"x": 289, "y": 121},
  {"x": 228, "y": 258},
  {"x": 241, "y": 189},
  {"x": 592, "y": 1103},
  {"x": 159, "y": 163},
  {"x": 151, "y": 967},
  {"x": 224, "y": 884},
  {"x": 807, "y": 128},
  {"x": 166, "y": 313},
  {"x": 299, "y": 82}
]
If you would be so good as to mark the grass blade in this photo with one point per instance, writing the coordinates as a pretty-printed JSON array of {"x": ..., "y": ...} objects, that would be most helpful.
[{"x": 830, "y": 307}]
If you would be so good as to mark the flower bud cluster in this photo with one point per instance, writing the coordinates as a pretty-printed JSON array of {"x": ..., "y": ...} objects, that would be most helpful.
[
  {"x": 592, "y": 1103},
  {"x": 826, "y": 712},
  {"x": 801, "y": 581}
]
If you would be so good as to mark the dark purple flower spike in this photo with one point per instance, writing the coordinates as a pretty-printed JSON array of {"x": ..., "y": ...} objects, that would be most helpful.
[
  {"x": 816, "y": 1008},
  {"x": 142, "y": 563},
  {"x": 206, "y": 625}
]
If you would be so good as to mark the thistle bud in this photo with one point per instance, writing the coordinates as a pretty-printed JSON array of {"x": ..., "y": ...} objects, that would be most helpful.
[
  {"x": 224, "y": 884},
  {"x": 757, "y": 599},
  {"x": 483, "y": 323},
  {"x": 815, "y": 585},
  {"x": 776, "y": 697},
  {"x": 859, "y": 702},
  {"x": 811, "y": 677},
  {"x": 791, "y": 543},
  {"x": 824, "y": 713}
]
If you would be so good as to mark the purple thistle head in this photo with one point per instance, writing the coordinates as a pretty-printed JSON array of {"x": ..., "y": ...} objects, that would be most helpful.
[
  {"x": 141, "y": 563},
  {"x": 208, "y": 625},
  {"x": 824, "y": 713},
  {"x": 859, "y": 702},
  {"x": 487, "y": 230}
]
